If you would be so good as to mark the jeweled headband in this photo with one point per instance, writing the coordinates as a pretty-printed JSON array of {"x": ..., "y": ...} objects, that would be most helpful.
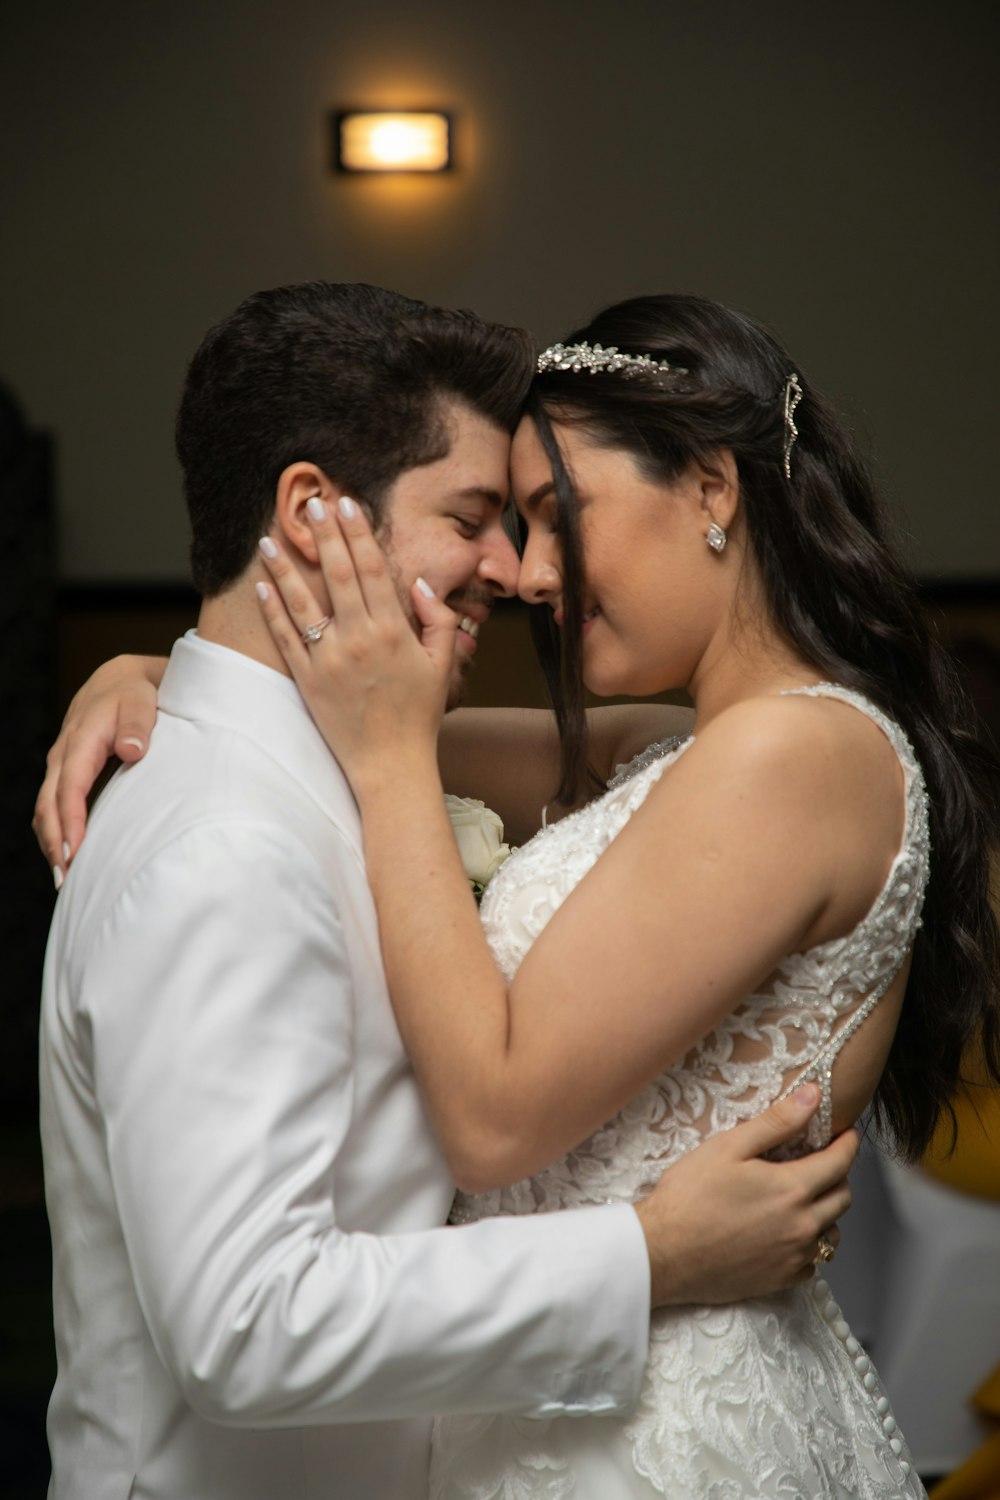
[{"x": 594, "y": 358}]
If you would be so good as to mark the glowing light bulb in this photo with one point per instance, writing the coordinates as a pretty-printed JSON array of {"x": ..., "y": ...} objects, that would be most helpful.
[{"x": 377, "y": 141}]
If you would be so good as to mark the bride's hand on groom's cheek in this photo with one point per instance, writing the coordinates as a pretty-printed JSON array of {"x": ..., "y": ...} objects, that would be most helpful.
[{"x": 374, "y": 677}]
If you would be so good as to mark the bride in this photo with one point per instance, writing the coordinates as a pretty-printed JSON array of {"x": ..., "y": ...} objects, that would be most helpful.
[
  {"x": 752, "y": 897},
  {"x": 759, "y": 898}
]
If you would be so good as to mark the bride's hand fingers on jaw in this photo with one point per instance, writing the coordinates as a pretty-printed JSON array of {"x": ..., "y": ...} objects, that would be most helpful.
[
  {"x": 284, "y": 603},
  {"x": 438, "y": 625},
  {"x": 379, "y": 591},
  {"x": 354, "y": 540},
  {"x": 348, "y": 600}
]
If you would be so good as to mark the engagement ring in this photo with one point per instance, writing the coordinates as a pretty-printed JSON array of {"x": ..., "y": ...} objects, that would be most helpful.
[{"x": 313, "y": 632}]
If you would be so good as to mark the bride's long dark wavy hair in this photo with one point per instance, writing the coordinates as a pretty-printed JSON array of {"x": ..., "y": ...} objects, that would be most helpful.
[{"x": 837, "y": 593}]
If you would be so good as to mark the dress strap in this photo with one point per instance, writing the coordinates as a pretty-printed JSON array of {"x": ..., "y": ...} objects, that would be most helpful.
[
  {"x": 629, "y": 768},
  {"x": 915, "y": 793},
  {"x": 892, "y": 922}
]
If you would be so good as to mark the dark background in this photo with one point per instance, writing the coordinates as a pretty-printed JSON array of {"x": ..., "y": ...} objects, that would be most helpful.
[{"x": 828, "y": 168}]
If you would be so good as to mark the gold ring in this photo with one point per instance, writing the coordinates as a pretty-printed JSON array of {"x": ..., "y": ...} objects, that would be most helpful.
[
  {"x": 826, "y": 1251},
  {"x": 312, "y": 633}
]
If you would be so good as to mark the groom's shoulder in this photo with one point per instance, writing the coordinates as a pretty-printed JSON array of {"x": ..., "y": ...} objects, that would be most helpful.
[
  {"x": 233, "y": 736},
  {"x": 201, "y": 780},
  {"x": 206, "y": 811}
]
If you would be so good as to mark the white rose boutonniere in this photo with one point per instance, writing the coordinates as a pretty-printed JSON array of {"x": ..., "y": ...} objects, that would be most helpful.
[{"x": 479, "y": 835}]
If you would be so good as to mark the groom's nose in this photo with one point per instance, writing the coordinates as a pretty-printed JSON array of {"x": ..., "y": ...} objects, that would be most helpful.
[{"x": 499, "y": 563}]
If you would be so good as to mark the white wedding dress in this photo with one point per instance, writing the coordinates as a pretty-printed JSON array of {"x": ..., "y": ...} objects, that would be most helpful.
[{"x": 772, "y": 1398}]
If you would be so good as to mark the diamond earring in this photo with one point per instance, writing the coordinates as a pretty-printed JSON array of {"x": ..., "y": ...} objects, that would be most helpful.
[{"x": 716, "y": 537}]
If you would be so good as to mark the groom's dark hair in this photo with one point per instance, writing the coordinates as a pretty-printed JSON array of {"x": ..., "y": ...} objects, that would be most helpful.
[{"x": 351, "y": 378}]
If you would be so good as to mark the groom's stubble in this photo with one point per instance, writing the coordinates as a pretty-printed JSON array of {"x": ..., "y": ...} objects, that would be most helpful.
[{"x": 459, "y": 600}]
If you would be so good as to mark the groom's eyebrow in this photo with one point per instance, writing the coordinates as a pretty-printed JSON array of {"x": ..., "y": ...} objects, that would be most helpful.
[{"x": 481, "y": 492}]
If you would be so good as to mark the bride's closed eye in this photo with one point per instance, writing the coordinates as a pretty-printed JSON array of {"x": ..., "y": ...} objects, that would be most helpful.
[{"x": 543, "y": 516}]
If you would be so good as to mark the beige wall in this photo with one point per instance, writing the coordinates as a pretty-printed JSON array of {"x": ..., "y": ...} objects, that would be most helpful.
[{"x": 827, "y": 167}]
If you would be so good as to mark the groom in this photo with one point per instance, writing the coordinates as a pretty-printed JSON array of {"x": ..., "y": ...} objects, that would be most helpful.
[{"x": 253, "y": 1297}]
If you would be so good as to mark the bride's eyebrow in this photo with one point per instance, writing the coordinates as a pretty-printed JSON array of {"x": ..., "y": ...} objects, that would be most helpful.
[{"x": 538, "y": 495}]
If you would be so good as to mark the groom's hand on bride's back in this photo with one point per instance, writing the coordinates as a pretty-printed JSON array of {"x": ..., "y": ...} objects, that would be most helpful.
[{"x": 725, "y": 1224}]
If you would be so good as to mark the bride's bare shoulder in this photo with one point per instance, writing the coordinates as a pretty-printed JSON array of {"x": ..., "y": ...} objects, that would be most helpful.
[{"x": 803, "y": 751}]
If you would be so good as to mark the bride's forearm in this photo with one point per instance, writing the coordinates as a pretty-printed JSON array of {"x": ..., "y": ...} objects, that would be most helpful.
[
  {"x": 506, "y": 757},
  {"x": 509, "y": 757},
  {"x": 451, "y": 1002}
]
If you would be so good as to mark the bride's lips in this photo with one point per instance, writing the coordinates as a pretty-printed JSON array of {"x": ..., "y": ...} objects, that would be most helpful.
[{"x": 588, "y": 619}]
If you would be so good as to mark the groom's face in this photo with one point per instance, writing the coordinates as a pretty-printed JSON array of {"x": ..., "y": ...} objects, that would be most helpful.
[{"x": 444, "y": 522}]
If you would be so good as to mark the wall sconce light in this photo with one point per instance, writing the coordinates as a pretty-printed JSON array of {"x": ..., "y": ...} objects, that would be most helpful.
[{"x": 375, "y": 140}]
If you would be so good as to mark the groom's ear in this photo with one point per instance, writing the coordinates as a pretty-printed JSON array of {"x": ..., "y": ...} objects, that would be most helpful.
[{"x": 296, "y": 487}]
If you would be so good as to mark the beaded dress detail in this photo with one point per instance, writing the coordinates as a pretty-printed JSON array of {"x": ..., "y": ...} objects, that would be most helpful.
[{"x": 765, "y": 1400}]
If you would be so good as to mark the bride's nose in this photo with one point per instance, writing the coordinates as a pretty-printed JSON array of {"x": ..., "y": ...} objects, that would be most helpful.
[{"x": 540, "y": 578}]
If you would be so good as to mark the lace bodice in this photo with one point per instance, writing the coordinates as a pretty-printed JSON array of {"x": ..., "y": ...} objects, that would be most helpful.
[
  {"x": 788, "y": 1032},
  {"x": 740, "y": 1380}
]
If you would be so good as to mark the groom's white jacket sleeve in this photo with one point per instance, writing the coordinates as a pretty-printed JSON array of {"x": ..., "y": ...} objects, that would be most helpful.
[{"x": 221, "y": 1003}]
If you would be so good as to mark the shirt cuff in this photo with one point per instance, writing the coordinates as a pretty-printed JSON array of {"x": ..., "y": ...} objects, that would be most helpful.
[{"x": 606, "y": 1255}]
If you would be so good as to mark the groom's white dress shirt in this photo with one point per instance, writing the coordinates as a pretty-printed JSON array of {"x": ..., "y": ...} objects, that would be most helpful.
[{"x": 253, "y": 1298}]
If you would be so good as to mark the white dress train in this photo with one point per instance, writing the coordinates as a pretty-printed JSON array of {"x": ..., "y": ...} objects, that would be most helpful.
[{"x": 772, "y": 1399}]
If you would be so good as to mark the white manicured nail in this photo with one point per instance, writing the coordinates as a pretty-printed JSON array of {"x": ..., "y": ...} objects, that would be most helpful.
[
  {"x": 57, "y": 877},
  {"x": 132, "y": 739},
  {"x": 426, "y": 589},
  {"x": 267, "y": 547},
  {"x": 347, "y": 507},
  {"x": 66, "y": 852},
  {"x": 262, "y": 590},
  {"x": 316, "y": 508}
]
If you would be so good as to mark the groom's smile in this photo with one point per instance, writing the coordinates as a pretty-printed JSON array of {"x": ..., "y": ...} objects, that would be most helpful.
[{"x": 444, "y": 522}]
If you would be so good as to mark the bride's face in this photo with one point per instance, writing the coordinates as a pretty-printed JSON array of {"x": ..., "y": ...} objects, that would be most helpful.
[{"x": 653, "y": 591}]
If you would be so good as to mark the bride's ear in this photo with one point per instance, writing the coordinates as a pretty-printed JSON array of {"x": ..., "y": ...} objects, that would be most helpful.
[
  {"x": 297, "y": 485},
  {"x": 719, "y": 489}
]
